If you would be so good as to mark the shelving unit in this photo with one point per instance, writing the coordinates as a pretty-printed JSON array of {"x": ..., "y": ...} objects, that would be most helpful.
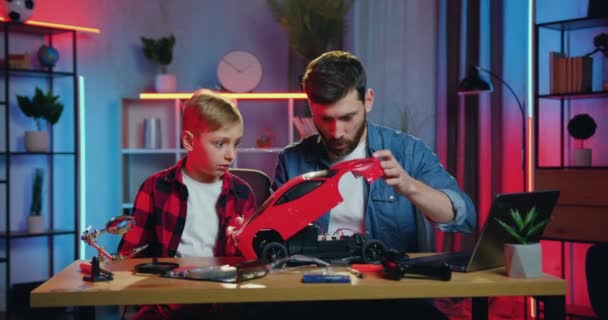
[
  {"x": 32, "y": 257},
  {"x": 582, "y": 207},
  {"x": 581, "y": 202},
  {"x": 260, "y": 112}
]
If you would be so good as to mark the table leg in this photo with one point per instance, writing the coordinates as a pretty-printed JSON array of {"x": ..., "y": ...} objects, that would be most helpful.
[
  {"x": 85, "y": 313},
  {"x": 479, "y": 308},
  {"x": 554, "y": 307}
]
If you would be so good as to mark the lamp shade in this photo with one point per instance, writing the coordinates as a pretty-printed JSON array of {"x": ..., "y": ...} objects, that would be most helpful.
[{"x": 474, "y": 83}]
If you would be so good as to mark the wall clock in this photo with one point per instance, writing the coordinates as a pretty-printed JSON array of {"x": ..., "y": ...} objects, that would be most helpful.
[{"x": 239, "y": 71}]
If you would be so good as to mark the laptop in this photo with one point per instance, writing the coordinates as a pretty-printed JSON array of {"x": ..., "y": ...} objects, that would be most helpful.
[{"x": 488, "y": 251}]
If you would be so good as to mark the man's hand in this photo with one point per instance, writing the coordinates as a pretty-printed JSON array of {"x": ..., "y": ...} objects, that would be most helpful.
[
  {"x": 394, "y": 174},
  {"x": 433, "y": 203}
]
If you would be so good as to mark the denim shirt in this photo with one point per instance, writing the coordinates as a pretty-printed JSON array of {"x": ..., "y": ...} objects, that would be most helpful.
[{"x": 389, "y": 217}]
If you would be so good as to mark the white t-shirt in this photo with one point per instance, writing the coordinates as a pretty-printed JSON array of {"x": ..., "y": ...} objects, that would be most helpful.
[
  {"x": 349, "y": 216},
  {"x": 202, "y": 222}
]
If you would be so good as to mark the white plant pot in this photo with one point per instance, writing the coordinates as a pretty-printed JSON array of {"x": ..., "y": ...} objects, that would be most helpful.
[
  {"x": 35, "y": 224},
  {"x": 166, "y": 83},
  {"x": 36, "y": 141},
  {"x": 523, "y": 260},
  {"x": 582, "y": 157}
]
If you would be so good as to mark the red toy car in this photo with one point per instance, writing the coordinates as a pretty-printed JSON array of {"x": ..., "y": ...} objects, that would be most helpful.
[{"x": 297, "y": 203}]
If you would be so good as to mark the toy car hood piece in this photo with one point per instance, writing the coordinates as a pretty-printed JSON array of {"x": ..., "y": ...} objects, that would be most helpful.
[{"x": 299, "y": 202}]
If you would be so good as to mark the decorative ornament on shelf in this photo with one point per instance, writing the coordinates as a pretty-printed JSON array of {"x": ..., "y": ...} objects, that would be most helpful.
[
  {"x": 35, "y": 221},
  {"x": 582, "y": 127},
  {"x": 160, "y": 51},
  {"x": 48, "y": 56},
  {"x": 522, "y": 249},
  {"x": 600, "y": 42},
  {"x": 265, "y": 140},
  {"x": 239, "y": 71},
  {"x": 41, "y": 107},
  {"x": 17, "y": 10}
]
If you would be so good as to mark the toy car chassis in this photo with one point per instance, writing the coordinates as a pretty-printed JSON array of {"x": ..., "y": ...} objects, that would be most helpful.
[{"x": 309, "y": 242}]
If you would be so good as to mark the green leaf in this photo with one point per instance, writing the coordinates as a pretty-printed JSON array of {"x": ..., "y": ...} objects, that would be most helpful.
[
  {"x": 535, "y": 231},
  {"x": 511, "y": 232},
  {"x": 519, "y": 223},
  {"x": 530, "y": 216}
]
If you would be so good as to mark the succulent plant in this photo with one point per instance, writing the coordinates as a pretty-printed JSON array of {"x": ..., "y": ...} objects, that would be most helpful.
[{"x": 523, "y": 230}]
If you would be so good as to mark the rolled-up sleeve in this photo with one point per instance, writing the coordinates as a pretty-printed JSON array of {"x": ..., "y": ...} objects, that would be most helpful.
[{"x": 464, "y": 218}]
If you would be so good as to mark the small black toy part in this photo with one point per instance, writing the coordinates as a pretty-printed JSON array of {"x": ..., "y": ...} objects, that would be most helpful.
[
  {"x": 97, "y": 275},
  {"x": 155, "y": 267}
]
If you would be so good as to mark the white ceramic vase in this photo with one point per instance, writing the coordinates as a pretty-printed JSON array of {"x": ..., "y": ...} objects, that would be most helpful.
[
  {"x": 166, "y": 83},
  {"x": 523, "y": 260},
  {"x": 35, "y": 224},
  {"x": 582, "y": 157},
  {"x": 36, "y": 141}
]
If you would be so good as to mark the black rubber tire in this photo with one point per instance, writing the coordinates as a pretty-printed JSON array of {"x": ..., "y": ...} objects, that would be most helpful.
[
  {"x": 372, "y": 251},
  {"x": 273, "y": 251}
]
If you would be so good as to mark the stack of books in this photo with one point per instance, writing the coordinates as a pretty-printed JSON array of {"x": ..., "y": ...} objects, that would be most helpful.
[{"x": 570, "y": 74}]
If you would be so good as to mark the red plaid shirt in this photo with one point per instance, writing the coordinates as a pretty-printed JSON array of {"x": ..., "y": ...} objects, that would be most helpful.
[{"x": 160, "y": 213}]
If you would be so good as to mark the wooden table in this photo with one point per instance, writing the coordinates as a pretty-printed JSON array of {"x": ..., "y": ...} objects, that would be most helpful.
[{"x": 67, "y": 288}]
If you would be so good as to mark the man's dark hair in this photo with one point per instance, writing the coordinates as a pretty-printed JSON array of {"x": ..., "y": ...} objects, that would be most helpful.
[{"x": 332, "y": 75}]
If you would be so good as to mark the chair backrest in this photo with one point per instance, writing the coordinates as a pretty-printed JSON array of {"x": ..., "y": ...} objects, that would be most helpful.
[
  {"x": 258, "y": 180},
  {"x": 596, "y": 264}
]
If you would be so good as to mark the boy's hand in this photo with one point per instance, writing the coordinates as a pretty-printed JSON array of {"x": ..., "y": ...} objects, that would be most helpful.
[
  {"x": 238, "y": 222},
  {"x": 231, "y": 248}
]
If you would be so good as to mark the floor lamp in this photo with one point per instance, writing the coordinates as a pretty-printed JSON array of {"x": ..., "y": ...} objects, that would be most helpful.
[{"x": 475, "y": 84}]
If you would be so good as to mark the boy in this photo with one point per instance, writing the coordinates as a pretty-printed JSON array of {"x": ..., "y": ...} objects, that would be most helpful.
[{"x": 191, "y": 208}]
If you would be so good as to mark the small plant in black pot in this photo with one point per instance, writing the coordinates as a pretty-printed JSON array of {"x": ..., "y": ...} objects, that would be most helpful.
[{"x": 582, "y": 127}]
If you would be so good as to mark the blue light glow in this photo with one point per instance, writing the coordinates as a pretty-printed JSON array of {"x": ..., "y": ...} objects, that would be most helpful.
[{"x": 82, "y": 163}]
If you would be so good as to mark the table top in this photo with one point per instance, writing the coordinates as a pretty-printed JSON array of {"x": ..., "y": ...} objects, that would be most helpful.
[{"x": 67, "y": 288}]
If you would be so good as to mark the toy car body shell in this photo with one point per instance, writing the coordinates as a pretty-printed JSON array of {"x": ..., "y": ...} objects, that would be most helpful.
[{"x": 301, "y": 201}]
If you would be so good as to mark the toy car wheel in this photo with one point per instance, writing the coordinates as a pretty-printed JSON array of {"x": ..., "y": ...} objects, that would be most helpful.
[
  {"x": 273, "y": 251},
  {"x": 372, "y": 251}
]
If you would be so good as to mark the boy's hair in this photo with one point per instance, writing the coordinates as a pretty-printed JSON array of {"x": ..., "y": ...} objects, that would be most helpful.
[
  {"x": 210, "y": 109},
  {"x": 332, "y": 75}
]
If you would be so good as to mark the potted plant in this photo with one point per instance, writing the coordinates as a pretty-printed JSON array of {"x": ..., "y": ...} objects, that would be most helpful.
[
  {"x": 582, "y": 127},
  {"x": 522, "y": 247},
  {"x": 160, "y": 51},
  {"x": 35, "y": 222},
  {"x": 313, "y": 27},
  {"x": 41, "y": 107}
]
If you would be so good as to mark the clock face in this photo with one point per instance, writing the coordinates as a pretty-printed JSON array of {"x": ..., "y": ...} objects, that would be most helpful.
[{"x": 239, "y": 71}]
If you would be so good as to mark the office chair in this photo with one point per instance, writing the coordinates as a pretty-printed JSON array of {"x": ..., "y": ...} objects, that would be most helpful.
[
  {"x": 258, "y": 180},
  {"x": 596, "y": 272}
]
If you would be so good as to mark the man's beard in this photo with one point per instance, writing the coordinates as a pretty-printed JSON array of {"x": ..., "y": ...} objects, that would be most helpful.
[{"x": 351, "y": 145}]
